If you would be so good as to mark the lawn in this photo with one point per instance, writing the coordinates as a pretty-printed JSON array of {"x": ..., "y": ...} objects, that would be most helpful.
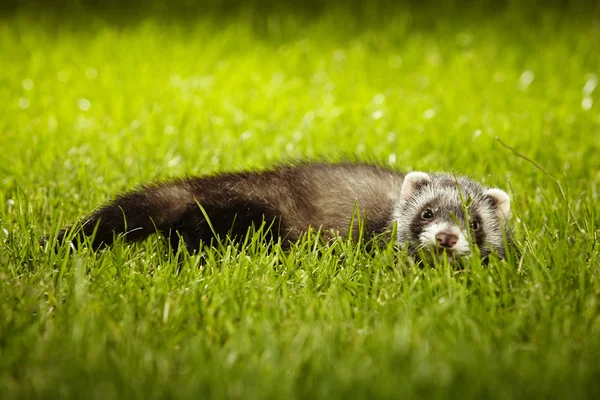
[{"x": 97, "y": 101}]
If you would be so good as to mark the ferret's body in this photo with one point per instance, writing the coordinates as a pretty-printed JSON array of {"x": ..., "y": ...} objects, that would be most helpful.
[{"x": 289, "y": 200}]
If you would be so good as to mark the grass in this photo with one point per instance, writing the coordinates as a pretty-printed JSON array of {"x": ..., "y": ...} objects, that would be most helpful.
[{"x": 97, "y": 102}]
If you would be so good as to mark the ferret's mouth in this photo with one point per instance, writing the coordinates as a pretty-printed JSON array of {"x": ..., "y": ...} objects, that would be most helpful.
[
  {"x": 440, "y": 253},
  {"x": 443, "y": 250}
]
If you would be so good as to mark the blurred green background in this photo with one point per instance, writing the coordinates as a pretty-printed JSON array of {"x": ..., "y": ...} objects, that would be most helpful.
[{"x": 101, "y": 96}]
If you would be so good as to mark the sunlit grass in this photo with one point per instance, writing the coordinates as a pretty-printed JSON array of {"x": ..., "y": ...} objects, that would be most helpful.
[{"x": 94, "y": 104}]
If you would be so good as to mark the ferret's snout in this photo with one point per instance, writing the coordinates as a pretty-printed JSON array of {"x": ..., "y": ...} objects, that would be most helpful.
[{"x": 446, "y": 239}]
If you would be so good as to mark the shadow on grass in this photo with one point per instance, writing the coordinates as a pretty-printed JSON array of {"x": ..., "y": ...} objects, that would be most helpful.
[{"x": 125, "y": 12}]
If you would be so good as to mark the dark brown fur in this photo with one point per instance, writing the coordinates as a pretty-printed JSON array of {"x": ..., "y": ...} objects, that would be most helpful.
[{"x": 288, "y": 199}]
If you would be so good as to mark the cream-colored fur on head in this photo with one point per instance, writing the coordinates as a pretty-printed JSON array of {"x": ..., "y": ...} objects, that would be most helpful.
[
  {"x": 502, "y": 201},
  {"x": 412, "y": 183},
  {"x": 428, "y": 238}
]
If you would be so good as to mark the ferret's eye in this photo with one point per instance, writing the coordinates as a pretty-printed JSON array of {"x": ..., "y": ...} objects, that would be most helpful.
[
  {"x": 475, "y": 225},
  {"x": 427, "y": 214}
]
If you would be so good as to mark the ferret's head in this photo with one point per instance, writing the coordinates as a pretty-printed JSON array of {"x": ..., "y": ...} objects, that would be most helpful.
[{"x": 430, "y": 215}]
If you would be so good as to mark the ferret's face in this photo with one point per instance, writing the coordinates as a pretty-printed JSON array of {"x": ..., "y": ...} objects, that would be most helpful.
[{"x": 441, "y": 214}]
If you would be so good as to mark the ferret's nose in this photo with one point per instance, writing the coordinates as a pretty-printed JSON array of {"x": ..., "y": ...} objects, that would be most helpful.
[{"x": 446, "y": 239}]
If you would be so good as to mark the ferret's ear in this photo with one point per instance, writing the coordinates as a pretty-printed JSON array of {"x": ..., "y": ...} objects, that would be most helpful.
[
  {"x": 500, "y": 200},
  {"x": 413, "y": 182}
]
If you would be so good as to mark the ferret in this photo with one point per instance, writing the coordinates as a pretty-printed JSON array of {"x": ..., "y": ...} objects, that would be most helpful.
[{"x": 436, "y": 212}]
